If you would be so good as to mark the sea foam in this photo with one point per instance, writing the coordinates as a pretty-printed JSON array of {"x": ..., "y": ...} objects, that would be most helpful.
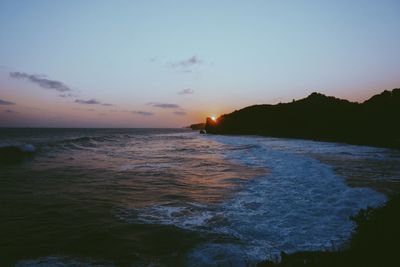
[{"x": 300, "y": 204}]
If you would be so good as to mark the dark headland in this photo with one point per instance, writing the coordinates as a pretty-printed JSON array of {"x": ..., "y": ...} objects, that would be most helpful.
[{"x": 375, "y": 122}]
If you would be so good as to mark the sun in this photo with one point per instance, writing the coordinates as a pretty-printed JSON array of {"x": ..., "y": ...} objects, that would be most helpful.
[{"x": 214, "y": 118}]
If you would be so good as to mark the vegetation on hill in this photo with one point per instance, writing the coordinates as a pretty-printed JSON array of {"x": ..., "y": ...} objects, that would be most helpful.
[{"x": 373, "y": 122}]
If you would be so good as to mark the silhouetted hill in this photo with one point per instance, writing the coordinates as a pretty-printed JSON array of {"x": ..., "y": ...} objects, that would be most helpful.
[{"x": 373, "y": 122}]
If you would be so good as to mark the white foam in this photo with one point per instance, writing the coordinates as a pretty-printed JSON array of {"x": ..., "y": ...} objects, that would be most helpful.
[
  {"x": 300, "y": 205},
  {"x": 189, "y": 216}
]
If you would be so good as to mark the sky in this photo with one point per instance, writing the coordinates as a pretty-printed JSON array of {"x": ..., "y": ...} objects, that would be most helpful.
[{"x": 172, "y": 63}]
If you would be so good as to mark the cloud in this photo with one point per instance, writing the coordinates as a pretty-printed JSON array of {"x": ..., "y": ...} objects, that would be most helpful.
[
  {"x": 42, "y": 81},
  {"x": 180, "y": 113},
  {"x": 164, "y": 105},
  {"x": 187, "y": 91},
  {"x": 92, "y": 102},
  {"x": 88, "y": 102},
  {"x": 142, "y": 113},
  {"x": 10, "y": 111},
  {"x": 187, "y": 62},
  {"x": 4, "y": 102},
  {"x": 67, "y": 95}
]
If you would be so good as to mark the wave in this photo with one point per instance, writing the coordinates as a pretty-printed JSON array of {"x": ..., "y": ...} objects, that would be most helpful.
[
  {"x": 190, "y": 216},
  {"x": 17, "y": 150},
  {"x": 16, "y": 153},
  {"x": 300, "y": 205},
  {"x": 85, "y": 140},
  {"x": 75, "y": 143}
]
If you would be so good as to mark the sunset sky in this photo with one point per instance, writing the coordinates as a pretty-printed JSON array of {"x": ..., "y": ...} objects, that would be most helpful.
[{"x": 172, "y": 63}]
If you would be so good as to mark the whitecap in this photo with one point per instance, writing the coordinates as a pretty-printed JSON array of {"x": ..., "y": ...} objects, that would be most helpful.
[{"x": 301, "y": 205}]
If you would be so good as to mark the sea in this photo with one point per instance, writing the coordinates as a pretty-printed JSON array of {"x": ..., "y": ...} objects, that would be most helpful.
[{"x": 174, "y": 197}]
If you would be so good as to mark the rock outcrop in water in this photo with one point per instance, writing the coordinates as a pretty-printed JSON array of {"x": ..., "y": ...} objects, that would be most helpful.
[
  {"x": 374, "y": 122},
  {"x": 197, "y": 126}
]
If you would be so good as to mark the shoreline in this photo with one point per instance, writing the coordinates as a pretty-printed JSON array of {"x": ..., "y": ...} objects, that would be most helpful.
[
  {"x": 345, "y": 158},
  {"x": 325, "y": 140},
  {"x": 374, "y": 240},
  {"x": 389, "y": 188}
]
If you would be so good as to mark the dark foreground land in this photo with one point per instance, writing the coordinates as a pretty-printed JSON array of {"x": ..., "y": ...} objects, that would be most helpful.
[
  {"x": 376, "y": 242},
  {"x": 375, "y": 122}
]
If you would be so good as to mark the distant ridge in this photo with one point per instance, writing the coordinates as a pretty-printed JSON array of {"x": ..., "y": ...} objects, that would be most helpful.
[{"x": 374, "y": 122}]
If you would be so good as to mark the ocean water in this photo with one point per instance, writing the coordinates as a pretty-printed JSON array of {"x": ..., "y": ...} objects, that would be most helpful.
[{"x": 172, "y": 197}]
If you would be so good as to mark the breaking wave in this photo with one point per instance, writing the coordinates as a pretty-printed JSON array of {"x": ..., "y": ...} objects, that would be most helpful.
[
  {"x": 135, "y": 197},
  {"x": 300, "y": 205}
]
